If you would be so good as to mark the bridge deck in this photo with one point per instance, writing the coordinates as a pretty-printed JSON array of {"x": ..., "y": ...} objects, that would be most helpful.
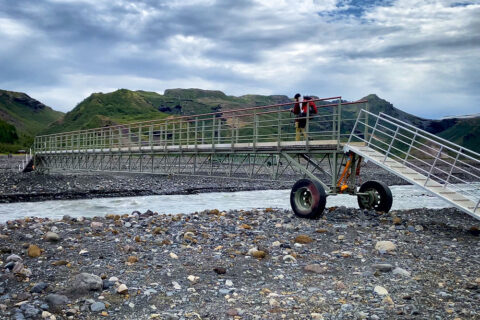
[{"x": 325, "y": 145}]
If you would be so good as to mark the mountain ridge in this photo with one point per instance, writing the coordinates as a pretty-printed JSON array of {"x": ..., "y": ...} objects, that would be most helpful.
[{"x": 123, "y": 106}]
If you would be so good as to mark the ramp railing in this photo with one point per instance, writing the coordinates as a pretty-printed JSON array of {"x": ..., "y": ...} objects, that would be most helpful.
[
  {"x": 248, "y": 126},
  {"x": 444, "y": 165}
]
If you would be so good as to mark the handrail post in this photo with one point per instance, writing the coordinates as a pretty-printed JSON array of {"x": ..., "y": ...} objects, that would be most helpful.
[
  {"x": 355, "y": 127},
  {"x": 188, "y": 133},
  {"x": 453, "y": 166},
  {"x": 339, "y": 119},
  {"x": 180, "y": 137},
  {"x": 373, "y": 131},
  {"x": 433, "y": 164},
  {"x": 279, "y": 127},
  {"x": 410, "y": 147},
  {"x": 129, "y": 140},
  {"x": 390, "y": 145},
  {"x": 213, "y": 132},
  {"x": 150, "y": 136},
  {"x": 196, "y": 132},
  {"x": 120, "y": 138},
  {"x": 219, "y": 130},
  {"x": 333, "y": 122},
  {"x": 365, "y": 133},
  {"x": 255, "y": 137},
  {"x": 307, "y": 124},
  {"x": 140, "y": 138},
  {"x": 232, "y": 134}
]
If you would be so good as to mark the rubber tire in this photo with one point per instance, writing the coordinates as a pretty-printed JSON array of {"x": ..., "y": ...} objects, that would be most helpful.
[
  {"x": 317, "y": 199},
  {"x": 383, "y": 192}
]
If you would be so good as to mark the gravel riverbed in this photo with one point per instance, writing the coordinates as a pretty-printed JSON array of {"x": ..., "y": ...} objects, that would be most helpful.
[{"x": 260, "y": 264}]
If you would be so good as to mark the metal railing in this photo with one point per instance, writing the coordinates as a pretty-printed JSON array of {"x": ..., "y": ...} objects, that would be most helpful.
[
  {"x": 252, "y": 126},
  {"x": 439, "y": 160}
]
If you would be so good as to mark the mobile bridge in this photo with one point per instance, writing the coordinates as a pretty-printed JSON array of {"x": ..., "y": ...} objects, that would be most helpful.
[{"x": 259, "y": 143}]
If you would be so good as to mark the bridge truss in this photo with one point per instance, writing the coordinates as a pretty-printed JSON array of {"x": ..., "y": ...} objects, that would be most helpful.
[{"x": 255, "y": 143}]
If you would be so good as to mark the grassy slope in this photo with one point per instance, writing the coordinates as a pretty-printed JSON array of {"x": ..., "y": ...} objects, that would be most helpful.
[
  {"x": 27, "y": 116},
  {"x": 101, "y": 109},
  {"x": 124, "y": 106},
  {"x": 466, "y": 132}
]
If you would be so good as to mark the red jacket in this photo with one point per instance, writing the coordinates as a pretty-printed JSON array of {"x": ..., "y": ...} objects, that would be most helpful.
[{"x": 305, "y": 104}]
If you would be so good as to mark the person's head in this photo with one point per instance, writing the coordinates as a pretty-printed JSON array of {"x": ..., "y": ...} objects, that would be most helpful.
[{"x": 297, "y": 96}]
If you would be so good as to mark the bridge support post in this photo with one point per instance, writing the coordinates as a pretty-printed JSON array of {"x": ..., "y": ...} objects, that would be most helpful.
[{"x": 297, "y": 165}]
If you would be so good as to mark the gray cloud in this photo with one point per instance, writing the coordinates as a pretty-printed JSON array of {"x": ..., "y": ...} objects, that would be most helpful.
[{"x": 60, "y": 51}]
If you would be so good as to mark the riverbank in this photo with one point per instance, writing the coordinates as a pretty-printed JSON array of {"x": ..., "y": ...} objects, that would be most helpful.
[{"x": 260, "y": 264}]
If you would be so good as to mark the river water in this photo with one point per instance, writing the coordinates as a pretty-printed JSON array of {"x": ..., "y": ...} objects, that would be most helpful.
[{"x": 404, "y": 197}]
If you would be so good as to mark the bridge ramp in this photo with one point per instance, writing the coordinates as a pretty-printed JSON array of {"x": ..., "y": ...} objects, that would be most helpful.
[{"x": 438, "y": 166}]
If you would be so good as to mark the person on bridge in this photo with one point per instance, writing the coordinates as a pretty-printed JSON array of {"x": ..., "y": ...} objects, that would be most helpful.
[{"x": 301, "y": 109}]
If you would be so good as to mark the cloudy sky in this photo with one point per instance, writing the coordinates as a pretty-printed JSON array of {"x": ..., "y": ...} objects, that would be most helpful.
[{"x": 423, "y": 56}]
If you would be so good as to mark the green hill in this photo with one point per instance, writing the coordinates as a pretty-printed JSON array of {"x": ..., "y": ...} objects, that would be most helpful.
[
  {"x": 21, "y": 118},
  {"x": 103, "y": 109},
  {"x": 462, "y": 131},
  {"x": 122, "y": 106}
]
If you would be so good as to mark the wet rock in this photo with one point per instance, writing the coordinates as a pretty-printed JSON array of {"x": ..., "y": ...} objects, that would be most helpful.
[
  {"x": 289, "y": 258},
  {"x": 96, "y": 225},
  {"x": 385, "y": 246},
  {"x": 33, "y": 251},
  {"x": 39, "y": 287},
  {"x": 122, "y": 289},
  {"x": 97, "y": 307},
  {"x": 85, "y": 282},
  {"x": 220, "y": 270},
  {"x": 303, "y": 239},
  {"x": 56, "y": 299},
  {"x": 132, "y": 259},
  {"x": 401, "y": 272},
  {"x": 397, "y": 221},
  {"x": 52, "y": 237},
  {"x": 315, "y": 268},
  {"x": 232, "y": 312},
  {"x": 259, "y": 254},
  {"x": 14, "y": 258},
  {"x": 176, "y": 285},
  {"x": 29, "y": 310},
  {"x": 383, "y": 267},
  {"x": 107, "y": 284},
  {"x": 59, "y": 263},
  {"x": 17, "y": 267},
  {"x": 381, "y": 291}
]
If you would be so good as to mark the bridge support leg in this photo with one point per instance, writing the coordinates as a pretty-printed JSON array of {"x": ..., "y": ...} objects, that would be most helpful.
[{"x": 297, "y": 165}]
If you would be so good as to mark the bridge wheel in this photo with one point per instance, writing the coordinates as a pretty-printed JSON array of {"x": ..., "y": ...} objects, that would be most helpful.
[
  {"x": 308, "y": 199},
  {"x": 379, "y": 196}
]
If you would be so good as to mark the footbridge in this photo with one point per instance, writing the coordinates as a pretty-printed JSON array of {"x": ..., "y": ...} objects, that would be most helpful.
[{"x": 260, "y": 143}]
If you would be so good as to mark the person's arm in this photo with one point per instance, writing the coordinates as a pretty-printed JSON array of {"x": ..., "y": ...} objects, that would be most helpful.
[
  {"x": 296, "y": 108},
  {"x": 314, "y": 106}
]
